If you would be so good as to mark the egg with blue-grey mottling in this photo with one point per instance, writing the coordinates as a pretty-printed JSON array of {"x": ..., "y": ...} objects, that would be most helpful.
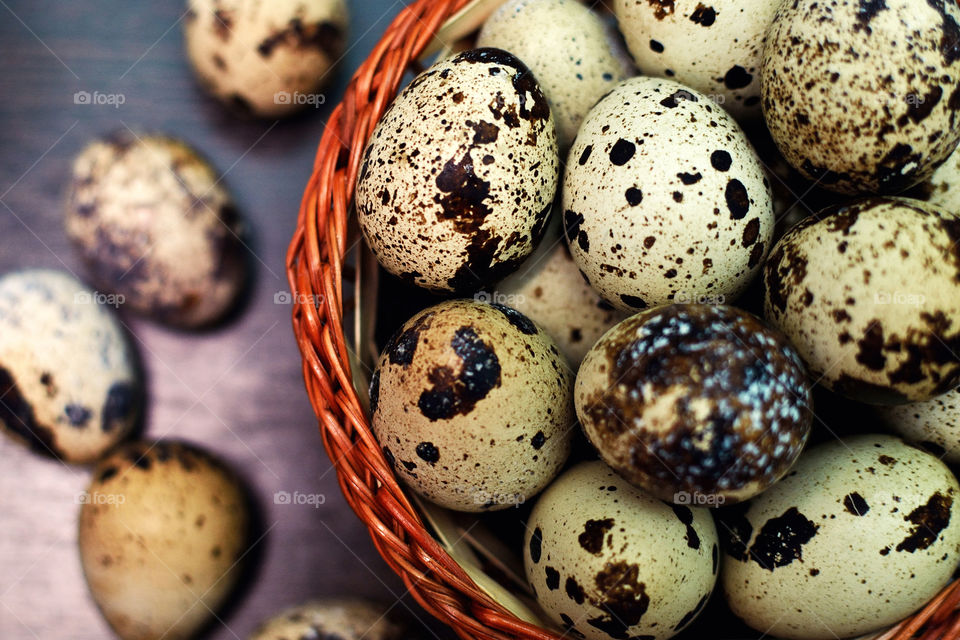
[
  {"x": 472, "y": 405},
  {"x": 664, "y": 199},
  {"x": 932, "y": 424},
  {"x": 863, "y": 97},
  {"x": 859, "y": 535},
  {"x": 608, "y": 561},
  {"x": 457, "y": 181},
  {"x": 70, "y": 385},
  {"x": 342, "y": 619}
]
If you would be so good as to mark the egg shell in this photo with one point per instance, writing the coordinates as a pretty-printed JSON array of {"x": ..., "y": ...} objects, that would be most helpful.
[
  {"x": 863, "y": 97},
  {"x": 695, "y": 402},
  {"x": 69, "y": 380},
  {"x": 664, "y": 198},
  {"x": 869, "y": 294},
  {"x": 472, "y": 404},
  {"x": 551, "y": 291},
  {"x": 342, "y": 619},
  {"x": 934, "y": 424},
  {"x": 571, "y": 56},
  {"x": 458, "y": 179},
  {"x": 268, "y": 59},
  {"x": 860, "y": 534},
  {"x": 163, "y": 529},
  {"x": 943, "y": 188},
  {"x": 715, "y": 47},
  {"x": 606, "y": 560},
  {"x": 153, "y": 223}
]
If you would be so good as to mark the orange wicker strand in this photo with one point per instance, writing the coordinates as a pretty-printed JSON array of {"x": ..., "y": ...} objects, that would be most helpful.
[{"x": 314, "y": 270}]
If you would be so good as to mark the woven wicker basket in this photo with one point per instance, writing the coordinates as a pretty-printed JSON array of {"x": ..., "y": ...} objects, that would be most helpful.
[{"x": 316, "y": 268}]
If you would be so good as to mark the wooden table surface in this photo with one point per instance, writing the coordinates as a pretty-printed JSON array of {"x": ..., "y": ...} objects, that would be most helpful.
[{"x": 237, "y": 389}]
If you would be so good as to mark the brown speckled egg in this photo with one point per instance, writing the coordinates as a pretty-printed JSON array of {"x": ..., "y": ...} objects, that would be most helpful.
[
  {"x": 869, "y": 294},
  {"x": 153, "y": 223},
  {"x": 664, "y": 199},
  {"x": 934, "y": 424},
  {"x": 607, "y": 561},
  {"x": 695, "y": 403},
  {"x": 943, "y": 188},
  {"x": 472, "y": 404},
  {"x": 69, "y": 382},
  {"x": 458, "y": 180},
  {"x": 714, "y": 46},
  {"x": 571, "y": 56},
  {"x": 551, "y": 291},
  {"x": 348, "y": 619},
  {"x": 863, "y": 96},
  {"x": 163, "y": 531},
  {"x": 268, "y": 59},
  {"x": 859, "y": 535}
]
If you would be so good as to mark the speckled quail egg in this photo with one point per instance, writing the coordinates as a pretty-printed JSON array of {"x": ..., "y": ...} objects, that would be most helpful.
[
  {"x": 163, "y": 528},
  {"x": 715, "y": 47},
  {"x": 860, "y": 534},
  {"x": 70, "y": 386},
  {"x": 934, "y": 424},
  {"x": 943, "y": 188},
  {"x": 457, "y": 182},
  {"x": 606, "y": 560},
  {"x": 869, "y": 293},
  {"x": 664, "y": 199},
  {"x": 551, "y": 291},
  {"x": 472, "y": 404},
  {"x": 863, "y": 96},
  {"x": 268, "y": 59},
  {"x": 571, "y": 55},
  {"x": 695, "y": 402},
  {"x": 154, "y": 224},
  {"x": 332, "y": 620}
]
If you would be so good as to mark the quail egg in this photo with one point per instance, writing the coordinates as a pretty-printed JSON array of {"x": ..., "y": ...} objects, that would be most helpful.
[
  {"x": 664, "y": 198},
  {"x": 863, "y": 96},
  {"x": 859, "y": 535},
  {"x": 458, "y": 180},
  {"x": 154, "y": 225},
  {"x": 163, "y": 529},
  {"x": 70, "y": 386},
  {"x": 943, "y": 189},
  {"x": 934, "y": 424},
  {"x": 869, "y": 294},
  {"x": 268, "y": 59},
  {"x": 695, "y": 402},
  {"x": 571, "y": 55},
  {"x": 472, "y": 404},
  {"x": 715, "y": 47},
  {"x": 606, "y": 560},
  {"x": 331, "y": 620}
]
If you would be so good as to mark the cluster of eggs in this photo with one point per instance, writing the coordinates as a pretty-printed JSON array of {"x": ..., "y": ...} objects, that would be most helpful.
[{"x": 625, "y": 326}]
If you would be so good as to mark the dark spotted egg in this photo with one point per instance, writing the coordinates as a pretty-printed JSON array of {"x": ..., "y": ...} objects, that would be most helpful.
[
  {"x": 664, "y": 199},
  {"x": 933, "y": 424},
  {"x": 346, "y": 619},
  {"x": 869, "y": 294},
  {"x": 70, "y": 386},
  {"x": 863, "y": 97},
  {"x": 472, "y": 404},
  {"x": 860, "y": 534},
  {"x": 458, "y": 179},
  {"x": 607, "y": 561},
  {"x": 714, "y": 46},
  {"x": 695, "y": 404}
]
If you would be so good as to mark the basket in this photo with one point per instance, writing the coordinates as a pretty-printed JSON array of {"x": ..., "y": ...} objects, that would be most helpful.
[{"x": 315, "y": 268}]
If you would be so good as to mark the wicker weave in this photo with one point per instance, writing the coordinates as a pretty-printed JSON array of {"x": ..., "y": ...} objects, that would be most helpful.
[{"x": 314, "y": 268}]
